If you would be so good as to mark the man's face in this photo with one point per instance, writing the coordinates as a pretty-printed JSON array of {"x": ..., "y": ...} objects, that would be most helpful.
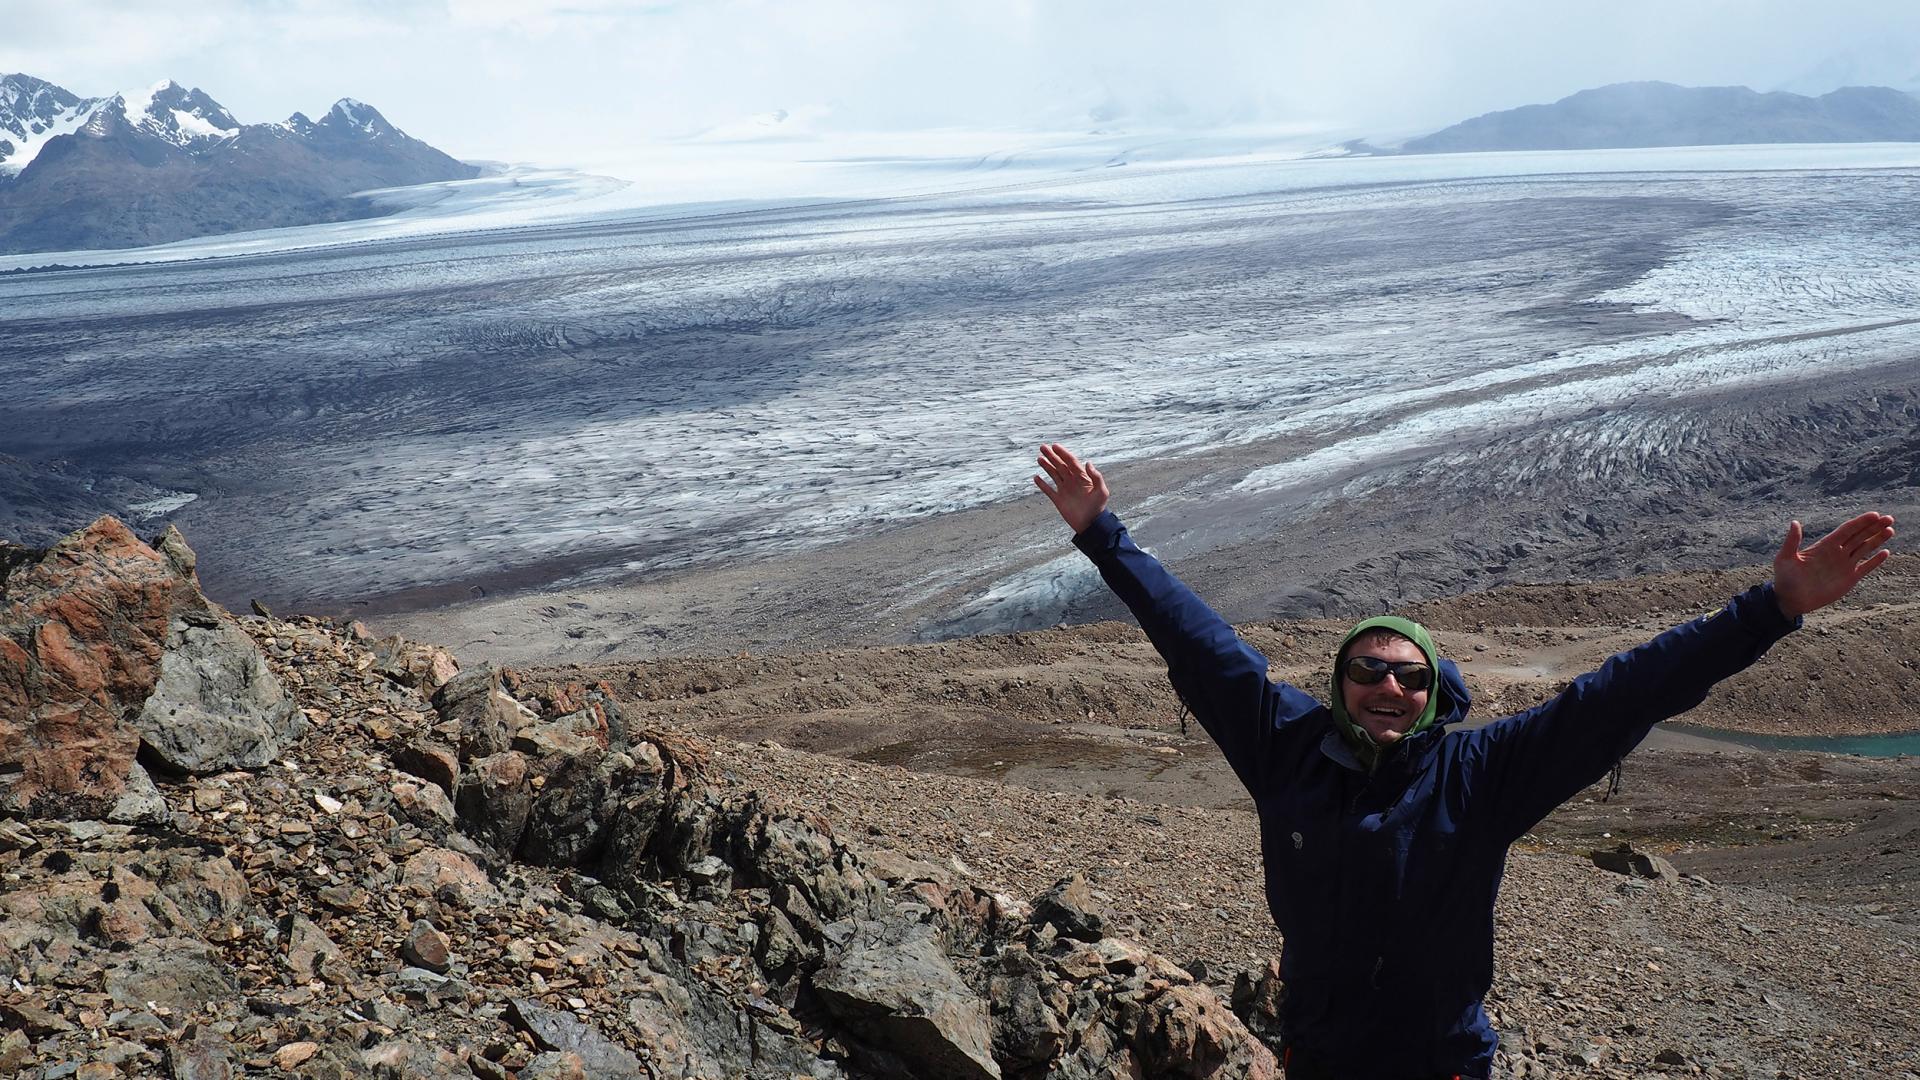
[{"x": 1385, "y": 710}]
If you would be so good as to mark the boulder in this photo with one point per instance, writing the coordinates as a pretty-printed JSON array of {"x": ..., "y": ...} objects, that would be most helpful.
[
  {"x": 563, "y": 1033},
  {"x": 83, "y": 626},
  {"x": 494, "y": 798},
  {"x": 568, "y": 823},
  {"x": 426, "y": 668},
  {"x": 423, "y": 804},
  {"x": 1187, "y": 1031},
  {"x": 175, "y": 973},
  {"x": 897, "y": 991},
  {"x": 206, "y": 1056},
  {"x": 1028, "y": 1010},
  {"x": 309, "y": 951},
  {"x": 1624, "y": 859},
  {"x": 1070, "y": 908},
  {"x": 426, "y": 947},
  {"x": 486, "y": 716},
  {"x": 429, "y": 760},
  {"x": 449, "y": 875},
  {"x": 1259, "y": 998},
  {"x": 216, "y": 706}
]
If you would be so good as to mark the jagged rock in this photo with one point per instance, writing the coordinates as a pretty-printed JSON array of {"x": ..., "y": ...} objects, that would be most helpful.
[
  {"x": 556, "y": 1065},
  {"x": 140, "y": 803},
  {"x": 567, "y": 825},
  {"x": 424, "y": 667},
  {"x": 1069, "y": 907},
  {"x": 216, "y": 706},
  {"x": 427, "y": 947},
  {"x": 205, "y": 1056},
  {"x": 206, "y": 891},
  {"x": 589, "y": 710},
  {"x": 555, "y": 1031},
  {"x": 494, "y": 798},
  {"x": 430, "y": 761},
  {"x": 1625, "y": 860},
  {"x": 895, "y": 989},
  {"x": 83, "y": 626},
  {"x": 1258, "y": 999},
  {"x": 175, "y": 973},
  {"x": 779, "y": 948},
  {"x": 99, "y": 628},
  {"x": 1028, "y": 1010},
  {"x": 1187, "y": 1031},
  {"x": 555, "y": 737},
  {"x": 172, "y": 546},
  {"x": 448, "y": 875},
  {"x": 32, "y": 1019},
  {"x": 423, "y": 804},
  {"x": 711, "y": 878},
  {"x": 486, "y": 715},
  {"x": 309, "y": 950}
]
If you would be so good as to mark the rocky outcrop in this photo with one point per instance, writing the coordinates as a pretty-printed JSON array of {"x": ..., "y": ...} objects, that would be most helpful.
[
  {"x": 482, "y": 877},
  {"x": 1625, "y": 859},
  {"x": 215, "y": 705},
  {"x": 107, "y": 646}
]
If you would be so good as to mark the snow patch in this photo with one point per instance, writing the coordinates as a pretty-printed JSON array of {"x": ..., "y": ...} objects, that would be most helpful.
[
  {"x": 136, "y": 105},
  {"x": 160, "y": 505},
  {"x": 28, "y": 147},
  {"x": 194, "y": 126}
]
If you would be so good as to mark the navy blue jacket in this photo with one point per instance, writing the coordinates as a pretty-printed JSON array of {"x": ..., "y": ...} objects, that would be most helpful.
[{"x": 1383, "y": 885}]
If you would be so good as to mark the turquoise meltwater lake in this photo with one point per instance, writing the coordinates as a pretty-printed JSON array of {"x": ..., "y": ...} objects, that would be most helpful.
[{"x": 1881, "y": 746}]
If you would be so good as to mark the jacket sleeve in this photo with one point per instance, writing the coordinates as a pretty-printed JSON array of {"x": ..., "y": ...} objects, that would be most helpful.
[
  {"x": 1532, "y": 762},
  {"x": 1221, "y": 678}
]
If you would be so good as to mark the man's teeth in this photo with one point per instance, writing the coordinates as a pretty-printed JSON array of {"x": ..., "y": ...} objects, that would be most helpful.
[{"x": 1384, "y": 711}]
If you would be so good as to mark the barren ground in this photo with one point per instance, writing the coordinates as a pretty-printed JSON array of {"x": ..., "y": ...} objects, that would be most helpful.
[{"x": 1023, "y": 757}]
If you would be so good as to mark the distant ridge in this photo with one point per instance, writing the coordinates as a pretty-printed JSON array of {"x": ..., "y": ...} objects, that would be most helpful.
[
  {"x": 167, "y": 163},
  {"x": 1638, "y": 114}
]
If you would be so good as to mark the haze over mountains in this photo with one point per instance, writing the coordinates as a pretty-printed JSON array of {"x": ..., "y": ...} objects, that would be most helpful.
[
  {"x": 168, "y": 163},
  {"x": 1639, "y": 114}
]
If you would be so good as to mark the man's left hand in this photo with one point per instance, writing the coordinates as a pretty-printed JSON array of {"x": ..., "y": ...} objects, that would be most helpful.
[{"x": 1809, "y": 579}]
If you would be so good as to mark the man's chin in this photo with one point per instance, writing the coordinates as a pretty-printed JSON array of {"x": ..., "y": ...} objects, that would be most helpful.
[{"x": 1382, "y": 736}]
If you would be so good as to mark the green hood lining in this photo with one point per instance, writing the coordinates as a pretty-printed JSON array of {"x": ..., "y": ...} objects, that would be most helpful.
[{"x": 1363, "y": 744}]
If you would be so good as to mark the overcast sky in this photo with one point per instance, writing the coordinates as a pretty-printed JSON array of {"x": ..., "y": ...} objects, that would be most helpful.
[{"x": 558, "y": 80}]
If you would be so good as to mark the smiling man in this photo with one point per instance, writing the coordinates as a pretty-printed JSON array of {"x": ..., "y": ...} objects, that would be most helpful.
[{"x": 1384, "y": 835}]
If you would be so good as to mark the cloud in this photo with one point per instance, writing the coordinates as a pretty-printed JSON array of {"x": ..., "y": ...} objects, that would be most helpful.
[{"x": 565, "y": 78}]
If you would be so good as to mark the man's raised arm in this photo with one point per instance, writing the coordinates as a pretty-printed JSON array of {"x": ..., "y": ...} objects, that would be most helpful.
[
  {"x": 1544, "y": 756},
  {"x": 1221, "y": 678}
]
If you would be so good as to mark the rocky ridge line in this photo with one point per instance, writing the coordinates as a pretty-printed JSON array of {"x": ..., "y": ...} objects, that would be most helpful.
[{"x": 349, "y": 858}]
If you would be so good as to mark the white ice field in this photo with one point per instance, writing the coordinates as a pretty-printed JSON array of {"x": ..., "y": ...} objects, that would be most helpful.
[{"x": 540, "y": 365}]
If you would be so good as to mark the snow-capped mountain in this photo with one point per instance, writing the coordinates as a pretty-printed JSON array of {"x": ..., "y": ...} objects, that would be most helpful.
[
  {"x": 168, "y": 162},
  {"x": 32, "y": 113},
  {"x": 173, "y": 114}
]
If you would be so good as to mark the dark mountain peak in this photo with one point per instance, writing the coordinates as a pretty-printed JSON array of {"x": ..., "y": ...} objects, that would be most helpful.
[
  {"x": 21, "y": 93},
  {"x": 350, "y": 115},
  {"x": 177, "y": 115},
  {"x": 198, "y": 169},
  {"x": 1664, "y": 114},
  {"x": 32, "y": 112},
  {"x": 109, "y": 119}
]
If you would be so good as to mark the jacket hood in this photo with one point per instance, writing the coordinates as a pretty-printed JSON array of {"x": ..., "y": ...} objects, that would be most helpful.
[{"x": 1447, "y": 703}]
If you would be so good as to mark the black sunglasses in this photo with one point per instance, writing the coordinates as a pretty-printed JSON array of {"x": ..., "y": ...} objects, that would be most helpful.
[{"x": 1412, "y": 675}]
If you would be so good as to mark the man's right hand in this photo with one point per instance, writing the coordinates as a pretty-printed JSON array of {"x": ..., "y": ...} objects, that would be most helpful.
[{"x": 1078, "y": 490}]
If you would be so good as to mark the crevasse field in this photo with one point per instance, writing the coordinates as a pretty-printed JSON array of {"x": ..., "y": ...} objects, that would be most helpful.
[{"x": 541, "y": 378}]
